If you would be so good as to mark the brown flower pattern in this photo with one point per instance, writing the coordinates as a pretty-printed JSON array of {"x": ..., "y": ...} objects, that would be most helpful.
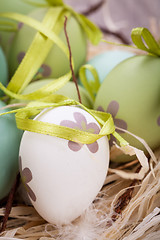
[
  {"x": 113, "y": 109},
  {"x": 81, "y": 124},
  {"x": 26, "y": 176}
]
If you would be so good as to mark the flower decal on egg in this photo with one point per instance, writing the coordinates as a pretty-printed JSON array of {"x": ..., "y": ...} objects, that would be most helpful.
[
  {"x": 81, "y": 124},
  {"x": 20, "y": 25},
  {"x": 113, "y": 109},
  {"x": 26, "y": 176},
  {"x": 43, "y": 71}
]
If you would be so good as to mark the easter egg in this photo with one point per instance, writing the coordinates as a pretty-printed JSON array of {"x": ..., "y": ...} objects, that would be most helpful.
[
  {"x": 3, "y": 70},
  {"x": 130, "y": 93},
  {"x": 63, "y": 177},
  {"x": 56, "y": 64},
  {"x": 16, "y": 6},
  {"x": 106, "y": 61},
  {"x": 10, "y": 138}
]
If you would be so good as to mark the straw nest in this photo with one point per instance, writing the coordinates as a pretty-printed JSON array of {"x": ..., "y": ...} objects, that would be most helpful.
[{"x": 124, "y": 209}]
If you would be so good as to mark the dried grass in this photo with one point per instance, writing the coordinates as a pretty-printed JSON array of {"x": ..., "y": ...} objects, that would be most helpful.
[{"x": 140, "y": 219}]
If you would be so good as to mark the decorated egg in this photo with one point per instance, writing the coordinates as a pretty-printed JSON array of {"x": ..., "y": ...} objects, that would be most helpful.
[
  {"x": 106, "y": 61},
  {"x": 56, "y": 64},
  {"x": 63, "y": 177},
  {"x": 16, "y": 6},
  {"x": 3, "y": 70},
  {"x": 130, "y": 93},
  {"x": 68, "y": 90},
  {"x": 10, "y": 138}
]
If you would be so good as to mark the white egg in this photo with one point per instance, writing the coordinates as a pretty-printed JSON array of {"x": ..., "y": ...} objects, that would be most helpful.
[{"x": 62, "y": 177}]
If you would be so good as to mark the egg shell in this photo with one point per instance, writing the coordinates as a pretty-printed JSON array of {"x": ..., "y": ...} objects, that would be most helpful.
[
  {"x": 68, "y": 90},
  {"x": 65, "y": 177},
  {"x": 10, "y": 138},
  {"x": 106, "y": 61},
  {"x": 56, "y": 64},
  {"x": 16, "y": 6},
  {"x": 130, "y": 93},
  {"x": 3, "y": 70}
]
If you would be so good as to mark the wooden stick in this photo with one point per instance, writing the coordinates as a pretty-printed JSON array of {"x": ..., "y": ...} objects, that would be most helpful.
[
  {"x": 70, "y": 60},
  {"x": 9, "y": 204}
]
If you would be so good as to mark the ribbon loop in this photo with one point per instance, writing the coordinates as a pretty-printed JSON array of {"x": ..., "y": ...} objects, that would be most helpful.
[
  {"x": 144, "y": 40},
  {"x": 91, "y": 86}
]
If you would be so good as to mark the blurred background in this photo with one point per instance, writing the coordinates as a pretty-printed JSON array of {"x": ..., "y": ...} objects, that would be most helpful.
[{"x": 120, "y": 16}]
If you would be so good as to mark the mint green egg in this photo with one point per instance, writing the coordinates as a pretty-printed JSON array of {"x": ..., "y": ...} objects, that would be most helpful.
[
  {"x": 68, "y": 90},
  {"x": 10, "y": 138},
  {"x": 3, "y": 70},
  {"x": 131, "y": 93},
  {"x": 56, "y": 64},
  {"x": 106, "y": 61},
  {"x": 17, "y": 6}
]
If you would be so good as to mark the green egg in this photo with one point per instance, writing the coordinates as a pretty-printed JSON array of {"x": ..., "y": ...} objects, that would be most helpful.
[
  {"x": 10, "y": 138},
  {"x": 131, "y": 93},
  {"x": 69, "y": 90},
  {"x": 3, "y": 70},
  {"x": 56, "y": 64},
  {"x": 17, "y": 6}
]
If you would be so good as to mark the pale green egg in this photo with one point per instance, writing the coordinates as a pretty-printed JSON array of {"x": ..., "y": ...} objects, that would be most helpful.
[
  {"x": 131, "y": 93},
  {"x": 56, "y": 63},
  {"x": 10, "y": 138}
]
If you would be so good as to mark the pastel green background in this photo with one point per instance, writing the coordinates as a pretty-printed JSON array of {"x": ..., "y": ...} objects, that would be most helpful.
[
  {"x": 10, "y": 138},
  {"x": 135, "y": 85},
  {"x": 56, "y": 59}
]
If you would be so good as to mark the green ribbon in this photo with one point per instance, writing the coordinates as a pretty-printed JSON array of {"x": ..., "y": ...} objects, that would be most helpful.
[
  {"x": 39, "y": 47},
  {"x": 91, "y": 86},
  {"x": 8, "y": 26},
  {"x": 24, "y": 121},
  {"x": 144, "y": 40},
  {"x": 55, "y": 2}
]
